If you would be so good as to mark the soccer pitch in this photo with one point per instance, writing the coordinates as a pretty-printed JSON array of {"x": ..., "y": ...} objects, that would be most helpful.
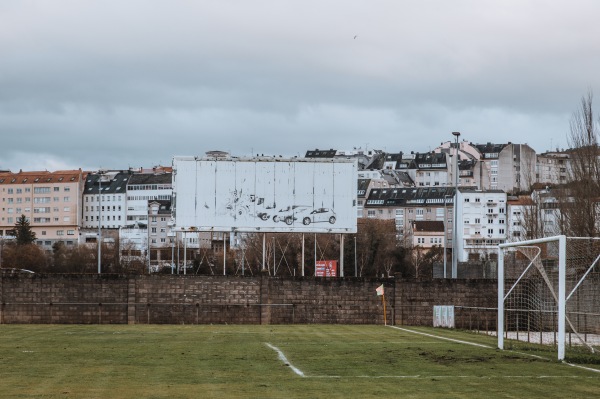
[{"x": 276, "y": 361}]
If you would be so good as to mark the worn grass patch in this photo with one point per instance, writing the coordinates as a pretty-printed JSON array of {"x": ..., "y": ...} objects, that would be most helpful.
[{"x": 292, "y": 361}]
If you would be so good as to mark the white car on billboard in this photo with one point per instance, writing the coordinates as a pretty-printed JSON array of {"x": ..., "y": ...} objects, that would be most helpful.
[
  {"x": 290, "y": 213},
  {"x": 319, "y": 215}
]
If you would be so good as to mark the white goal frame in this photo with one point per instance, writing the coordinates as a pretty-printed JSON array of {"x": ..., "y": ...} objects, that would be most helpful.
[{"x": 561, "y": 302}]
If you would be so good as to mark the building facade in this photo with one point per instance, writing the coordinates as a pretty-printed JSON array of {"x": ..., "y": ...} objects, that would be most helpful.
[{"x": 51, "y": 201}]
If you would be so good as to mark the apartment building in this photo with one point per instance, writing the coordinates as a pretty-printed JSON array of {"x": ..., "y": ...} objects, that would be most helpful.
[
  {"x": 507, "y": 167},
  {"x": 481, "y": 222},
  {"x": 145, "y": 187},
  {"x": 160, "y": 236},
  {"x": 406, "y": 205},
  {"x": 426, "y": 234},
  {"x": 552, "y": 168},
  {"x": 105, "y": 200},
  {"x": 51, "y": 201}
]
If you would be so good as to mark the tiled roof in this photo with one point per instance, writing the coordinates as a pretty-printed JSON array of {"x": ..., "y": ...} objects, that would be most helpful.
[
  {"x": 41, "y": 177},
  {"x": 428, "y": 225}
]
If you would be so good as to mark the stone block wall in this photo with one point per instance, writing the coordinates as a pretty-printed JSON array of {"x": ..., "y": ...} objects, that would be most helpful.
[{"x": 107, "y": 299}]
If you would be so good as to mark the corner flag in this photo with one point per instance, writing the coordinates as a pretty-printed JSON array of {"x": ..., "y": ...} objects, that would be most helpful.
[{"x": 379, "y": 290}]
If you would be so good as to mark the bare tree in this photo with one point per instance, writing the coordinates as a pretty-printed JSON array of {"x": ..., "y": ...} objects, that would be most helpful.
[{"x": 578, "y": 208}]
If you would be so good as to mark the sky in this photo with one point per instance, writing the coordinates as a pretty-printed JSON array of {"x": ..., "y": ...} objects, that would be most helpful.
[{"x": 116, "y": 84}]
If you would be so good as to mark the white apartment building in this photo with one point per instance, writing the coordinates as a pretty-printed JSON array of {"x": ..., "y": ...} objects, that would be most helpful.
[
  {"x": 105, "y": 200},
  {"x": 145, "y": 187},
  {"x": 481, "y": 222}
]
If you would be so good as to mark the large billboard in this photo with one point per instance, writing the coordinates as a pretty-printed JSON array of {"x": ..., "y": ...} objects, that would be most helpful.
[{"x": 264, "y": 195}]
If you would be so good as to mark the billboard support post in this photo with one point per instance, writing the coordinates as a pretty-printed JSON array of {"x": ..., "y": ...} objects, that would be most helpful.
[
  {"x": 264, "y": 251},
  {"x": 302, "y": 254},
  {"x": 184, "y": 253},
  {"x": 341, "y": 255},
  {"x": 224, "y": 255}
]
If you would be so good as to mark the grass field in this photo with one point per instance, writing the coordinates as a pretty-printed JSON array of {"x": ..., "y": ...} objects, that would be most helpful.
[{"x": 291, "y": 361}]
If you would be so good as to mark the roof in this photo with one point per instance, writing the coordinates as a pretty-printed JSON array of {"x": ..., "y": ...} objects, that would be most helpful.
[
  {"x": 116, "y": 185},
  {"x": 489, "y": 148},
  {"x": 164, "y": 206},
  {"x": 362, "y": 186},
  {"x": 520, "y": 200},
  {"x": 471, "y": 190},
  {"x": 151, "y": 178},
  {"x": 41, "y": 177},
  {"x": 420, "y": 196},
  {"x": 430, "y": 160},
  {"x": 320, "y": 153},
  {"x": 428, "y": 226}
]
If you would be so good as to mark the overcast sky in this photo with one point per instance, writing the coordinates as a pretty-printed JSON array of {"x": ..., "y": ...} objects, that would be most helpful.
[{"x": 114, "y": 84}]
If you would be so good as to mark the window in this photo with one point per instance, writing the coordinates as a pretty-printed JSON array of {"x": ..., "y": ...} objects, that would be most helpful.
[
  {"x": 60, "y": 232},
  {"x": 67, "y": 209},
  {"x": 490, "y": 231},
  {"x": 66, "y": 218},
  {"x": 477, "y": 220},
  {"x": 501, "y": 231},
  {"x": 43, "y": 232},
  {"x": 67, "y": 199},
  {"x": 56, "y": 188},
  {"x": 70, "y": 232},
  {"x": 19, "y": 190},
  {"x": 490, "y": 221},
  {"x": 67, "y": 188},
  {"x": 477, "y": 199},
  {"x": 467, "y": 200}
]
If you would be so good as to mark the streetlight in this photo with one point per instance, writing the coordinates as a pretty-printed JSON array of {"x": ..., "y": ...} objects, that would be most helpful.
[
  {"x": 455, "y": 212},
  {"x": 100, "y": 174},
  {"x": 445, "y": 233}
]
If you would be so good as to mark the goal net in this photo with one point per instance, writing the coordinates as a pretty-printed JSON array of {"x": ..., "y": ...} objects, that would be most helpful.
[{"x": 549, "y": 294}]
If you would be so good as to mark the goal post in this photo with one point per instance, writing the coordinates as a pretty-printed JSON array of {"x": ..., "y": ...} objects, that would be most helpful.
[{"x": 549, "y": 293}]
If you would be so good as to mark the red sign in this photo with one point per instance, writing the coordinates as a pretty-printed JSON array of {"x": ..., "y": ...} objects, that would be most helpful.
[{"x": 326, "y": 268}]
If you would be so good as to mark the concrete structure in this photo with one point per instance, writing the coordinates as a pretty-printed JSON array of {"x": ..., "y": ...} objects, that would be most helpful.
[{"x": 51, "y": 201}]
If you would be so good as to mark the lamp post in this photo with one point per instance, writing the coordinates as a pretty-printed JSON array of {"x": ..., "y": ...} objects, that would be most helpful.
[
  {"x": 445, "y": 234},
  {"x": 455, "y": 211},
  {"x": 100, "y": 174}
]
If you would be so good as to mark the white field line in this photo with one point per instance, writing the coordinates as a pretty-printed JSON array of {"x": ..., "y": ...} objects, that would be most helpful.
[
  {"x": 439, "y": 337},
  {"x": 582, "y": 367},
  {"x": 487, "y": 377},
  {"x": 285, "y": 360},
  {"x": 489, "y": 347}
]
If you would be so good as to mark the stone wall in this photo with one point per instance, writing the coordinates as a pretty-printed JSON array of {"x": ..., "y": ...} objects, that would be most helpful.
[{"x": 107, "y": 299}]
